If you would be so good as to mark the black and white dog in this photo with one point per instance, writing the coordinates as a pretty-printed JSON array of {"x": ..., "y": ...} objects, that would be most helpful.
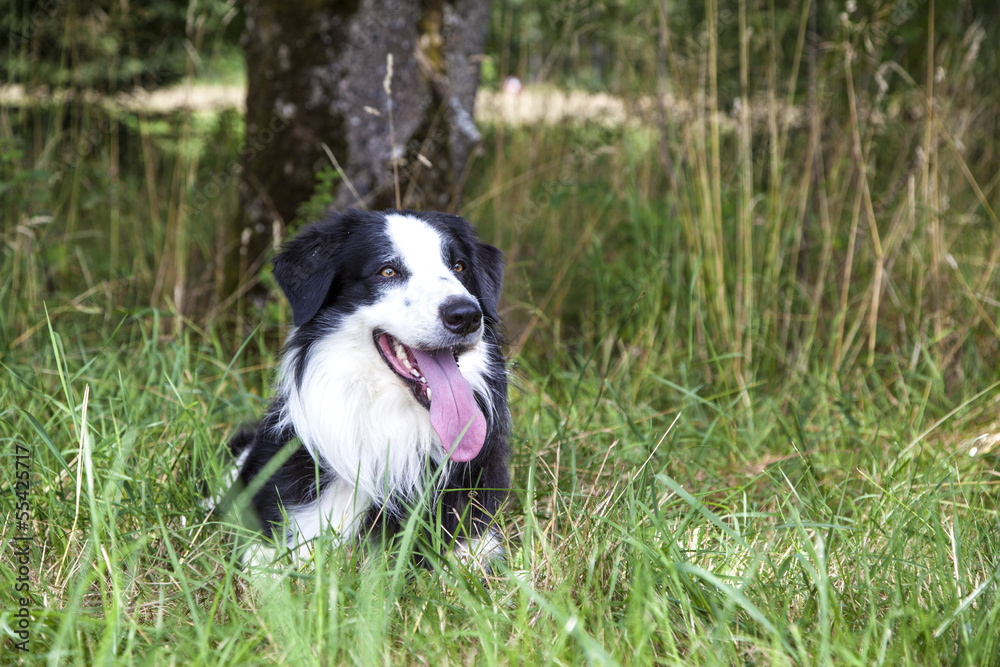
[{"x": 393, "y": 379}]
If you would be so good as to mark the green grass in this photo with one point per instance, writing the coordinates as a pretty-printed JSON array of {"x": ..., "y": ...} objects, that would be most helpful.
[
  {"x": 750, "y": 426},
  {"x": 703, "y": 533}
]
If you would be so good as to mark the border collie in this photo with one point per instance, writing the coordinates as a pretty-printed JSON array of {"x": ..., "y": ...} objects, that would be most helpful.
[{"x": 393, "y": 381}]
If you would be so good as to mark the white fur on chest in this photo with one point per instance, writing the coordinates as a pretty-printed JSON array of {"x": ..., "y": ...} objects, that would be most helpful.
[{"x": 356, "y": 417}]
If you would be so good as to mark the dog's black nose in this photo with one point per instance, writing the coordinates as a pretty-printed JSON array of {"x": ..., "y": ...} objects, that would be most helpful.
[{"x": 461, "y": 316}]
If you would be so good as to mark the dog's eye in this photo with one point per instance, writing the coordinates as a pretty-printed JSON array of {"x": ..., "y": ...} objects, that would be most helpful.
[
  {"x": 387, "y": 272},
  {"x": 458, "y": 266}
]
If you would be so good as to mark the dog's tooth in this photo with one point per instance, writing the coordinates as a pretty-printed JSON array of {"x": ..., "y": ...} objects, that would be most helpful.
[
  {"x": 414, "y": 372},
  {"x": 428, "y": 390}
]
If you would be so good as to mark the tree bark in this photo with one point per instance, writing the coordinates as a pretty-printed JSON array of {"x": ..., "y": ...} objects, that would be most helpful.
[{"x": 318, "y": 75}]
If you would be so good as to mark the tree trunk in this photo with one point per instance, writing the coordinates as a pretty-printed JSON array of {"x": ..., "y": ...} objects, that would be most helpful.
[{"x": 318, "y": 76}]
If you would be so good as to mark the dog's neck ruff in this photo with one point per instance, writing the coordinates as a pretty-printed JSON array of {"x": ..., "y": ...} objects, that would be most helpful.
[{"x": 356, "y": 419}]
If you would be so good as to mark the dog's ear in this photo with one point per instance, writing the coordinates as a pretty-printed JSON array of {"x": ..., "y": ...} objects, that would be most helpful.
[
  {"x": 304, "y": 270},
  {"x": 489, "y": 262}
]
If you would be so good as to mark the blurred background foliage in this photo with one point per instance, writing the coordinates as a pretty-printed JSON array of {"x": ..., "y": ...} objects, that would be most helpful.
[
  {"x": 749, "y": 237},
  {"x": 610, "y": 46},
  {"x": 109, "y": 46},
  {"x": 596, "y": 45}
]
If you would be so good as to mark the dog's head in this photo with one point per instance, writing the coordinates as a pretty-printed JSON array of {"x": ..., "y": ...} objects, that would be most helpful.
[{"x": 420, "y": 286}]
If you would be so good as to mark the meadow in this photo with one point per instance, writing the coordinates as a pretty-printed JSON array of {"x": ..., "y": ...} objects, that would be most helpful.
[{"x": 754, "y": 343}]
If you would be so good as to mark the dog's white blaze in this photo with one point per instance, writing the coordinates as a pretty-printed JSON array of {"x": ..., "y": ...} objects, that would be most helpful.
[
  {"x": 352, "y": 412},
  {"x": 410, "y": 311}
]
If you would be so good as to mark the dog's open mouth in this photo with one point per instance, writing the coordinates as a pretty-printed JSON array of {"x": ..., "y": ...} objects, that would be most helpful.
[{"x": 439, "y": 386}]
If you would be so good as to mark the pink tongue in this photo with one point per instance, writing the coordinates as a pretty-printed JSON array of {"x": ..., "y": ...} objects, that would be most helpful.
[{"x": 453, "y": 407}]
